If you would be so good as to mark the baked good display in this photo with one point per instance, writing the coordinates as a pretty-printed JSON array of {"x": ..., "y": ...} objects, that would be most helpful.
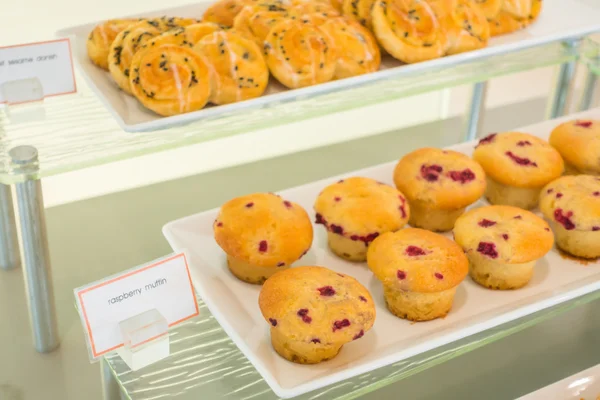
[
  {"x": 100, "y": 39},
  {"x": 169, "y": 79},
  {"x": 302, "y": 42},
  {"x": 261, "y": 234},
  {"x": 419, "y": 270},
  {"x": 578, "y": 142},
  {"x": 237, "y": 68},
  {"x": 571, "y": 204},
  {"x": 357, "y": 210},
  {"x": 300, "y": 54},
  {"x": 439, "y": 185},
  {"x": 503, "y": 244},
  {"x": 361, "y": 53},
  {"x": 514, "y": 15},
  {"x": 313, "y": 311},
  {"x": 517, "y": 166},
  {"x": 465, "y": 24},
  {"x": 408, "y": 30}
]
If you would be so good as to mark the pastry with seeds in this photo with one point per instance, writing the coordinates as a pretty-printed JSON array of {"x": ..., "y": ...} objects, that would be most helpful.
[
  {"x": 300, "y": 53},
  {"x": 490, "y": 8},
  {"x": 360, "y": 11},
  {"x": 313, "y": 311},
  {"x": 223, "y": 12},
  {"x": 572, "y": 206},
  {"x": 409, "y": 30},
  {"x": 256, "y": 21},
  {"x": 100, "y": 39},
  {"x": 439, "y": 185},
  {"x": 465, "y": 24},
  {"x": 361, "y": 52},
  {"x": 419, "y": 270},
  {"x": 186, "y": 36},
  {"x": 503, "y": 244},
  {"x": 237, "y": 68},
  {"x": 517, "y": 166},
  {"x": 170, "y": 79},
  {"x": 515, "y": 15},
  {"x": 578, "y": 142},
  {"x": 124, "y": 47},
  {"x": 261, "y": 234},
  {"x": 357, "y": 210}
]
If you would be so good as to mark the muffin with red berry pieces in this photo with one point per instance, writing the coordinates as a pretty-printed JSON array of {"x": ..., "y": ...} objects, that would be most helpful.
[
  {"x": 420, "y": 271},
  {"x": 261, "y": 234},
  {"x": 578, "y": 142},
  {"x": 439, "y": 185},
  {"x": 357, "y": 210},
  {"x": 503, "y": 244},
  {"x": 517, "y": 166},
  {"x": 313, "y": 312},
  {"x": 572, "y": 206}
]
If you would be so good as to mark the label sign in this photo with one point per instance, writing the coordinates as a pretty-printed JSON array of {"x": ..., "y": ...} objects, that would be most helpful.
[
  {"x": 164, "y": 284},
  {"x": 50, "y": 62}
]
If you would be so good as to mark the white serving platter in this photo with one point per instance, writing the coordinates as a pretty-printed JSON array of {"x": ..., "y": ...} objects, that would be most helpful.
[
  {"x": 584, "y": 385},
  {"x": 235, "y": 303},
  {"x": 559, "y": 20}
]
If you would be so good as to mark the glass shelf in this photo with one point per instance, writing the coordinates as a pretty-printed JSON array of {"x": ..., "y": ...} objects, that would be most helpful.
[
  {"x": 205, "y": 363},
  {"x": 77, "y": 131},
  {"x": 591, "y": 55}
]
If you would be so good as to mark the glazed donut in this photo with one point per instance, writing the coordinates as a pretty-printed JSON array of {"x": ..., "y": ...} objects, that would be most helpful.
[
  {"x": 237, "y": 68},
  {"x": 300, "y": 53},
  {"x": 100, "y": 39},
  {"x": 360, "y": 51},
  {"x": 409, "y": 30},
  {"x": 464, "y": 23},
  {"x": 185, "y": 36},
  {"x": 170, "y": 79},
  {"x": 359, "y": 10},
  {"x": 124, "y": 47}
]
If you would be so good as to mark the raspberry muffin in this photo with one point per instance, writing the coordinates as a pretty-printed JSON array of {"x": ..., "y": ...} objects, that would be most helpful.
[
  {"x": 517, "y": 166},
  {"x": 357, "y": 210},
  {"x": 503, "y": 244},
  {"x": 313, "y": 312},
  {"x": 439, "y": 185},
  {"x": 261, "y": 234},
  {"x": 419, "y": 270},
  {"x": 572, "y": 205},
  {"x": 578, "y": 142}
]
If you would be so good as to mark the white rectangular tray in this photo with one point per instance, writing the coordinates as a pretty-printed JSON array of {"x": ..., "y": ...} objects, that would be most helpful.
[
  {"x": 584, "y": 385},
  {"x": 559, "y": 20},
  {"x": 235, "y": 304}
]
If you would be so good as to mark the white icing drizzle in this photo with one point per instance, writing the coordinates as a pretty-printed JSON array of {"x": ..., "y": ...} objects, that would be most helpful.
[{"x": 180, "y": 94}]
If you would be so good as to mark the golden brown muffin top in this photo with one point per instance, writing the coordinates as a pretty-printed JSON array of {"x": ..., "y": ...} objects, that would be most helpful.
[
  {"x": 444, "y": 178},
  {"x": 315, "y": 304},
  {"x": 263, "y": 229},
  {"x": 578, "y": 142},
  {"x": 510, "y": 235},
  {"x": 361, "y": 208},
  {"x": 417, "y": 260},
  {"x": 518, "y": 159},
  {"x": 573, "y": 202}
]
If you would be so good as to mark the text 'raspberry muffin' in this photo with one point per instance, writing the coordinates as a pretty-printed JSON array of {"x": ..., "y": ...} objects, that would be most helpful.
[
  {"x": 439, "y": 185},
  {"x": 419, "y": 270},
  {"x": 313, "y": 312},
  {"x": 503, "y": 243},
  {"x": 578, "y": 142},
  {"x": 572, "y": 205},
  {"x": 261, "y": 234},
  {"x": 517, "y": 166},
  {"x": 357, "y": 210}
]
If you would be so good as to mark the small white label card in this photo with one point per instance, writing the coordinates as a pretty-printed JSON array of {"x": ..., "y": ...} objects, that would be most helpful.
[
  {"x": 49, "y": 62},
  {"x": 164, "y": 284}
]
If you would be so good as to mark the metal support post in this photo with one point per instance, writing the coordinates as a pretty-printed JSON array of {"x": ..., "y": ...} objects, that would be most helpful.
[
  {"x": 36, "y": 257},
  {"x": 9, "y": 245},
  {"x": 589, "y": 91},
  {"x": 562, "y": 90},
  {"x": 476, "y": 111}
]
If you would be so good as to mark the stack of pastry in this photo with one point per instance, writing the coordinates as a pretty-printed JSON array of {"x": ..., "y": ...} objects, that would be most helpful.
[{"x": 177, "y": 65}]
